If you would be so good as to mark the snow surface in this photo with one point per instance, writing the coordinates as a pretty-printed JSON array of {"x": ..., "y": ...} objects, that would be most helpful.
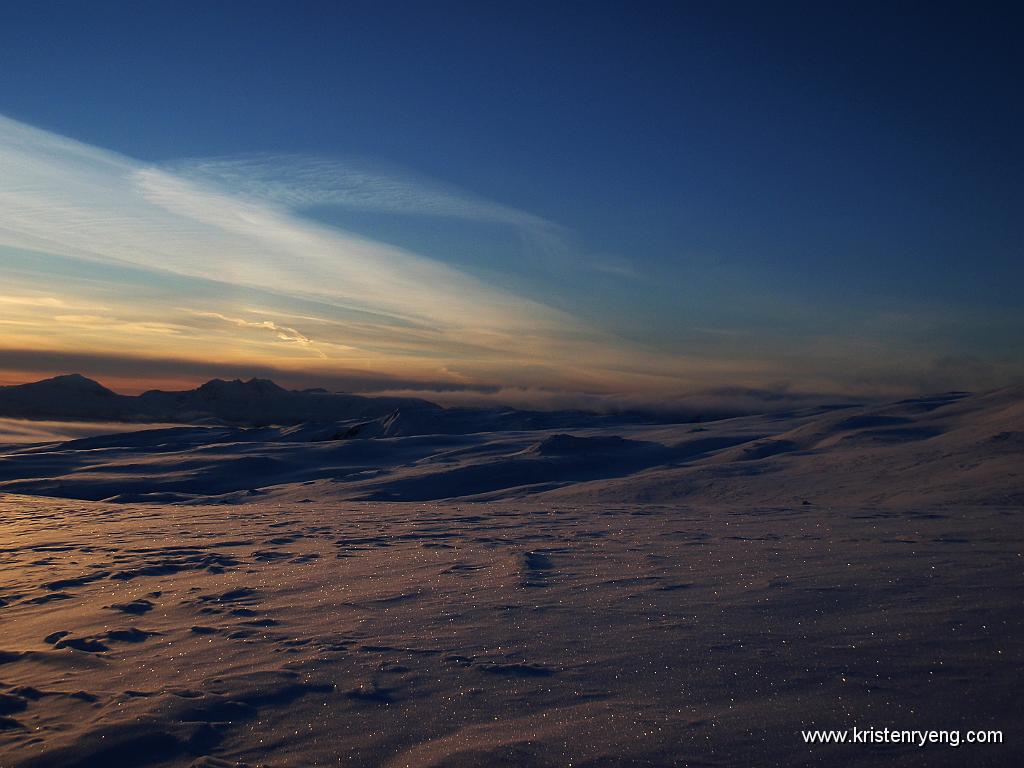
[{"x": 606, "y": 595}]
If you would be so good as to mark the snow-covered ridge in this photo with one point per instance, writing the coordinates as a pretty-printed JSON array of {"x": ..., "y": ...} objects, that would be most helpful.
[{"x": 948, "y": 448}]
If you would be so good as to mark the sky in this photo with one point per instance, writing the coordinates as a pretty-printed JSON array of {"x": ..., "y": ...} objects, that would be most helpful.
[{"x": 535, "y": 203}]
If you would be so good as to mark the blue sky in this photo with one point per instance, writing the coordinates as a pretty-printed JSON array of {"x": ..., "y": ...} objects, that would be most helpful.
[{"x": 677, "y": 196}]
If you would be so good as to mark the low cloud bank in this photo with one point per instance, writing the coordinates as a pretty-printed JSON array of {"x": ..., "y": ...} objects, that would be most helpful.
[{"x": 724, "y": 401}]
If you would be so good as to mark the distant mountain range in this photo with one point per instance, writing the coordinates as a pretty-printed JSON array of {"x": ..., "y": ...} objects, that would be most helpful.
[
  {"x": 256, "y": 402},
  {"x": 261, "y": 402}
]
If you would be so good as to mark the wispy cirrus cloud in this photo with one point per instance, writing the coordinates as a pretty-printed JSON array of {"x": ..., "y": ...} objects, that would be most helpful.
[
  {"x": 236, "y": 224},
  {"x": 61, "y": 196},
  {"x": 303, "y": 181},
  {"x": 51, "y": 302},
  {"x": 281, "y": 332}
]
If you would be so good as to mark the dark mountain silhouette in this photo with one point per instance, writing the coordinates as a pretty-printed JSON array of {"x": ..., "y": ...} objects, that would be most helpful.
[
  {"x": 261, "y": 403},
  {"x": 71, "y": 396},
  {"x": 255, "y": 402}
]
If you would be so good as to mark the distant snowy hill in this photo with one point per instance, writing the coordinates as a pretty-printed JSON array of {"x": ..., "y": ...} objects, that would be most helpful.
[{"x": 952, "y": 448}]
